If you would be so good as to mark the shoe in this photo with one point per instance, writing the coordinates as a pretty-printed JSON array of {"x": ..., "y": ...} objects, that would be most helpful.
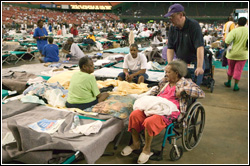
[
  {"x": 236, "y": 89},
  {"x": 225, "y": 83},
  {"x": 143, "y": 158},
  {"x": 126, "y": 151}
]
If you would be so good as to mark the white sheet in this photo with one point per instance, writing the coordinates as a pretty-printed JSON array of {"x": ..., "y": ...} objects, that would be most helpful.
[{"x": 113, "y": 73}]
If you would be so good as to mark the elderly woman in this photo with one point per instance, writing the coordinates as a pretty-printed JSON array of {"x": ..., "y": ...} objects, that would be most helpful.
[{"x": 148, "y": 114}]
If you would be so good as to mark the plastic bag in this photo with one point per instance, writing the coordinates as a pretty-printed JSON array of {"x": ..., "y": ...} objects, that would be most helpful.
[{"x": 56, "y": 98}]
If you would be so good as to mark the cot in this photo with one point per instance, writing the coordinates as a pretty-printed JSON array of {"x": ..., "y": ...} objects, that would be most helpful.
[
  {"x": 58, "y": 147},
  {"x": 28, "y": 44},
  {"x": 113, "y": 73},
  {"x": 20, "y": 54},
  {"x": 6, "y": 93},
  {"x": 124, "y": 50},
  {"x": 5, "y": 58}
]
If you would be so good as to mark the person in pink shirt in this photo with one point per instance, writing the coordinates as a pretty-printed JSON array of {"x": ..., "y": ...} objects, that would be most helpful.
[{"x": 172, "y": 87}]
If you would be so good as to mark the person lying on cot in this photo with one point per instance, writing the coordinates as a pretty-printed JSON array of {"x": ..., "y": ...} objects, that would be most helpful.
[
  {"x": 83, "y": 89},
  {"x": 134, "y": 66},
  {"x": 172, "y": 87},
  {"x": 50, "y": 52}
]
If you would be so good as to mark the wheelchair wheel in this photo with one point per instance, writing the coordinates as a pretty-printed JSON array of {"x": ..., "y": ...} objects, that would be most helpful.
[
  {"x": 193, "y": 129},
  {"x": 173, "y": 153}
]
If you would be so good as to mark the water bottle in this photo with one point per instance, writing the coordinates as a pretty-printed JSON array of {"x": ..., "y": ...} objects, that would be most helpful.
[{"x": 76, "y": 122}]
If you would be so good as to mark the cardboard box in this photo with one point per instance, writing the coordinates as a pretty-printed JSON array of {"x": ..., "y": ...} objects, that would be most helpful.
[
  {"x": 116, "y": 45},
  {"x": 216, "y": 45}
]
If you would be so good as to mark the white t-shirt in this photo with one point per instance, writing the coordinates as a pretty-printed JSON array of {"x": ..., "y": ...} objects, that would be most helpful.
[
  {"x": 135, "y": 64},
  {"x": 208, "y": 39},
  {"x": 156, "y": 40},
  {"x": 76, "y": 52}
]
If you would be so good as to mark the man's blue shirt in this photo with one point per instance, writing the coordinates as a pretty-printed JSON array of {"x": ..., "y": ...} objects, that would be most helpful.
[
  {"x": 51, "y": 52},
  {"x": 40, "y": 42}
]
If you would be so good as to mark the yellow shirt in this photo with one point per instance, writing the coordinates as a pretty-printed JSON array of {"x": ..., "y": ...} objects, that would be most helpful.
[
  {"x": 91, "y": 37},
  {"x": 232, "y": 26}
]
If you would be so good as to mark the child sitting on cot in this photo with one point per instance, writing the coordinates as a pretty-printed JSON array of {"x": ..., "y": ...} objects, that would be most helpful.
[
  {"x": 134, "y": 66},
  {"x": 83, "y": 89}
]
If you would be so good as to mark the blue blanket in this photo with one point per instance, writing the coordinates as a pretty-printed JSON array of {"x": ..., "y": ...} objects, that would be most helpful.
[{"x": 124, "y": 50}]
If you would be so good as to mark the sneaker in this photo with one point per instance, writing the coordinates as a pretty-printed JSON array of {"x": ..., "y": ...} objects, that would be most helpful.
[
  {"x": 226, "y": 84},
  {"x": 236, "y": 89}
]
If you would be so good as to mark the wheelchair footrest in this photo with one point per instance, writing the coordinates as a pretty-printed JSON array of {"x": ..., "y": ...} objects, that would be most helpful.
[{"x": 157, "y": 156}]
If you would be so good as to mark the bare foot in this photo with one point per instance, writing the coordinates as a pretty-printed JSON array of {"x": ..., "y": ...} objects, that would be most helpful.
[
  {"x": 146, "y": 151},
  {"x": 41, "y": 61}
]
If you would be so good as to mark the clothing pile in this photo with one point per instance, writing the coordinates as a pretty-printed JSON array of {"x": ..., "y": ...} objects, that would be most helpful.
[{"x": 51, "y": 93}]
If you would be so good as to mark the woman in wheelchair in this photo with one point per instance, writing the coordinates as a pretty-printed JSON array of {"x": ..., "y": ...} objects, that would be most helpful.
[{"x": 172, "y": 87}]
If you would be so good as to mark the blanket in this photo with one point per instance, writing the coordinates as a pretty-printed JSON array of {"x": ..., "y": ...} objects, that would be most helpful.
[
  {"x": 16, "y": 80},
  {"x": 16, "y": 107},
  {"x": 117, "y": 106},
  {"x": 39, "y": 148},
  {"x": 114, "y": 72},
  {"x": 152, "y": 105},
  {"x": 63, "y": 78},
  {"x": 36, "y": 69},
  {"x": 123, "y": 87}
]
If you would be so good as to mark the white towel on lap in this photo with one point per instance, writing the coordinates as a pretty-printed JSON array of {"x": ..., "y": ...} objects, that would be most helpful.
[{"x": 152, "y": 105}]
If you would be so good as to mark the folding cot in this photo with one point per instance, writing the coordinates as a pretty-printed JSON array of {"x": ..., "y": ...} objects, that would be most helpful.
[
  {"x": 28, "y": 44},
  {"x": 124, "y": 50},
  {"x": 113, "y": 73},
  {"x": 5, "y": 58},
  {"x": 6, "y": 93},
  {"x": 58, "y": 147},
  {"x": 20, "y": 54}
]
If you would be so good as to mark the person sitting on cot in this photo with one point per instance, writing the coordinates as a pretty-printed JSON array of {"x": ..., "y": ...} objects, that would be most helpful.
[
  {"x": 50, "y": 52},
  {"x": 72, "y": 50},
  {"x": 83, "y": 89},
  {"x": 172, "y": 87},
  {"x": 134, "y": 66}
]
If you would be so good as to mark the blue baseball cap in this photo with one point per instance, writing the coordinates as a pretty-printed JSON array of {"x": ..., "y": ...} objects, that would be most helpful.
[{"x": 175, "y": 8}]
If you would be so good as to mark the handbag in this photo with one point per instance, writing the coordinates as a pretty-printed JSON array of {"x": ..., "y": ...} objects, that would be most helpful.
[{"x": 224, "y": 58}]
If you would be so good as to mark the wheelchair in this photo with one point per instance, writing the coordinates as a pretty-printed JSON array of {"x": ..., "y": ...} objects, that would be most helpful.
[
  {"x": 189, "y": 130},
  {"x": 208, "y": 75}
]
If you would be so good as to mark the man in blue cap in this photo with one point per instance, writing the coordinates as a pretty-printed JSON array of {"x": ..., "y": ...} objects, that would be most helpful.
[{"x": 186, "y": 40}]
